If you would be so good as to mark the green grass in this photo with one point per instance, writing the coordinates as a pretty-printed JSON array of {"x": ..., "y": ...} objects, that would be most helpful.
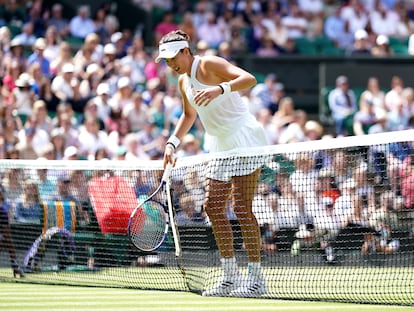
[
  {"x": 392, "y": 285},
  {"x": 30, "y": 297}
]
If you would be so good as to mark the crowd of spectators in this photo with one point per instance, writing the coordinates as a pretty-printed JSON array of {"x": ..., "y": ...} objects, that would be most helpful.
[{"x": 110, "y": 100}]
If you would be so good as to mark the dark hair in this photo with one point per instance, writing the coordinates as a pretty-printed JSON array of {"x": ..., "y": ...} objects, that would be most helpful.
[{"x": 175, "y": 35}]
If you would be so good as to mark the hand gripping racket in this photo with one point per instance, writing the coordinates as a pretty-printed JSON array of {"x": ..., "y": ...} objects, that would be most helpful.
[{"x": 149, "y": 222}]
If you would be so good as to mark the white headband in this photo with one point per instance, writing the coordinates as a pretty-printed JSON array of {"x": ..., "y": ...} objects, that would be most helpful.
[{"x": 170, "y": 49}]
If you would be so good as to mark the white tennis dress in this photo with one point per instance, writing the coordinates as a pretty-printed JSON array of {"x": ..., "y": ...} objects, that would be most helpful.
[{"x": 230, "y": 125}]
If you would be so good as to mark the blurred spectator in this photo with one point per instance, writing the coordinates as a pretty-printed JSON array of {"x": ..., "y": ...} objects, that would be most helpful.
[
  {"x": 71, "y": 153},
  {"x": 342, "y": 103},
  {"x": 361, "y": 44},
  {"x": 285, "y": 113},
  {"x": 116, "y": 136},
  {"x": 23, "y": 96},
  {"x": 288, "y": 213},
  {"x": 134, "y": 149},
  {"x": 102, "y": 101},
  {"x": 278, "y": 32},
  {"x": 122, "y": 96},
  {"x": 13, "y": 71},
  {"x": 264, "y": 116},
  {"x": 383, "y": 20},
  {"x": 165, "y": 26},
  {"x": 81, "y": 25},
  {"x": 28, "y": 205},
  {"x": 40, "y": 116},
  {"x": 6, "y": 239},
  {"x": 26, "y": 37},
  {"x": 303, "y": 181},
  {"x": 64, "y": 56},
  {"x": 313, "y": 130},
  {"x": 14, "y": 55},
  {"x": 187, "y": 25},
  {"x": 395, "y": 94},
  {"x": 58, "y": 20},
  {"x": 91, "y": 138},
  {"x": 267, "y": 47},
  {"x": 92, "y": 77},
  {"x": 40, "y": 84},
  {"x": 31, "y": 140},
  {"x": 295, "y": 130},
  {"x": 398, "y": 117},
  {"x": 295, "y": 23},
  {"x": 261, "y": 93},
  {"x": 58, "y": 139},
  {"x": 382, "y": 47},
  {"x": 210, "y": 31},
  {"x": 136, "y": 112},
  {"x": 411, "y": 44},
  {"x": 45, "y": 183},
  {"x": 364, "y": 118},
  {"x": 65, "y": 86},
  {"x": 15, "y": 13},
  {"x": 334, "y": 26},
  {"x": 354, "y": 13},
  {"x": 373, "y": 95},
  {"x": 190, "y": 146},
  {"x": 12, "y": 183}
]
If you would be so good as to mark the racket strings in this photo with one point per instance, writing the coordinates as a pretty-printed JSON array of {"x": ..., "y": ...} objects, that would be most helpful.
[{"x": 148, "y": 226}]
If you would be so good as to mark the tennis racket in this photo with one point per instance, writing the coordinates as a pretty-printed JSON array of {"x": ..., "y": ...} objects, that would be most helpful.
[{"x": 150, "y": 221}]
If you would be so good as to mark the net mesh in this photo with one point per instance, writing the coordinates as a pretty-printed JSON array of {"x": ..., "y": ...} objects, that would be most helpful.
[{"x": 335, "y": 216}]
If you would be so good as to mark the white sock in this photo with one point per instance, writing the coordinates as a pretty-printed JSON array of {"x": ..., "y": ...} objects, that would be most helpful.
[
  {"x": 229, "y": 266},
  {"x": 254, "y": 269}
]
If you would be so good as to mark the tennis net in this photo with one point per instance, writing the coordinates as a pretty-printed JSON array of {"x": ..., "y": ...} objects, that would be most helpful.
[{"x": 336, "y": 220}]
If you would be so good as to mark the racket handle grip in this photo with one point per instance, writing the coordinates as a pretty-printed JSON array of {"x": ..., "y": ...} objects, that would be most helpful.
[{"x": 167, "y": 172}]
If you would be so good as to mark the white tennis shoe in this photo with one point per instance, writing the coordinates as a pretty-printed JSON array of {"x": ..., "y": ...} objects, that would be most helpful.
[
  {"x": 252, "y": 287},
  {"x": 224, "y": 286}
]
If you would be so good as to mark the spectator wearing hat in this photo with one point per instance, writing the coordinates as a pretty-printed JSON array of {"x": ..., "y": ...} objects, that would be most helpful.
[
  {"x": 342, "y": 103},
  {"x": 14, "y": 54},
  {"x": 81, "y": 25},
  {"x": 71, "y": 153},
  {"x": 92, "y": 77},
  {"x": 38, "y": 57},
  {"x": 108, "y": 60},
  {"x": 102, "y": 101},
  {"x": 361, "y": 44},
  {"x": 382, "y": 47},
  {"x": 23, "y": 96},
  {"x": 64, "y": 85},
  {"x": 123, "y": 94}
]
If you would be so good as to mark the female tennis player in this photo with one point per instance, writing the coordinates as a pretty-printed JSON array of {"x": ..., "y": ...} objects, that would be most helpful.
[{"x": 209, "y": 88}]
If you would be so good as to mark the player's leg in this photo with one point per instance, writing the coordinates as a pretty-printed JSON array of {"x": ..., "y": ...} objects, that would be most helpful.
[
  {"x": 243, "y": 191},
  {"x": 217, "y": 195}
]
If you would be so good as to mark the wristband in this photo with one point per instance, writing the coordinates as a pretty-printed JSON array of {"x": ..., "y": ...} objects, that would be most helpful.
[
  {"x": 222, "y": 89},
  {"x": 226, "y": 87},
  {"x": 173, "y": 141}
]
